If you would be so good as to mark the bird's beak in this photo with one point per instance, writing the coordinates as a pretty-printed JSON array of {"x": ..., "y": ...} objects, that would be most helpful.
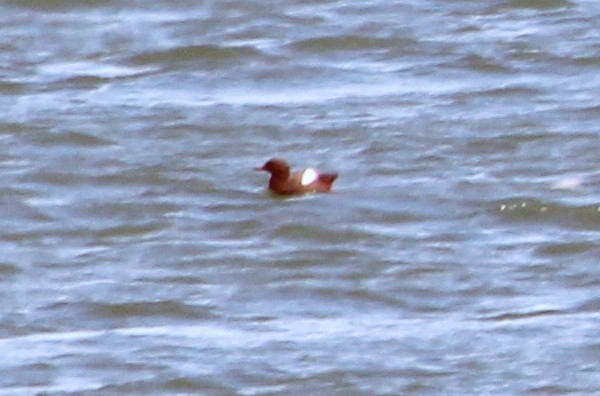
[{"x": 259, "y": 168}]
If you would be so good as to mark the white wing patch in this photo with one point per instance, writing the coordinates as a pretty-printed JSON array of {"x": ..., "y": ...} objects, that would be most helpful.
[{"x": 309, "y": 175}]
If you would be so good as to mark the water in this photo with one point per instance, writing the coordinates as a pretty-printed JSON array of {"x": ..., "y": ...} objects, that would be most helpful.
[{"x": 140, "y": 253}]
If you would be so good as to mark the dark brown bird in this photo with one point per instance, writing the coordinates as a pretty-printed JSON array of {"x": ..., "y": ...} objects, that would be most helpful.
[{"x": 283, "y": 182}]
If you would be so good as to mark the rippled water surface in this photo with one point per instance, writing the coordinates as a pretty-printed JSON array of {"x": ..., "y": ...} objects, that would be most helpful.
[{"x": 140, "y": 253}]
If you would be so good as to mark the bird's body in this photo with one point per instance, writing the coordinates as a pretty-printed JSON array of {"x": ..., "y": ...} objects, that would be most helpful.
[{"x": 284, "y": 182}]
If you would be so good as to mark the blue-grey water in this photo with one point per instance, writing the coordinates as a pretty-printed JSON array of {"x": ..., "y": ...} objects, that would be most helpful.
[{"x": 140, "y": 253}]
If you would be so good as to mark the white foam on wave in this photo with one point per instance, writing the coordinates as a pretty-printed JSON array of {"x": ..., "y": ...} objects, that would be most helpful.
[
  {"x": 568, "y": 183},
  {"x": 95, "y": 69}
]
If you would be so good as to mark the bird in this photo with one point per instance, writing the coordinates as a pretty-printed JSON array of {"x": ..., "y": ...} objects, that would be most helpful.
[{"x": 283, "y": 182}]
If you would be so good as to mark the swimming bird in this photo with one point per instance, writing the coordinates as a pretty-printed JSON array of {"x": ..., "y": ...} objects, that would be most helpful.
[{"x": 283, "y": 182}]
